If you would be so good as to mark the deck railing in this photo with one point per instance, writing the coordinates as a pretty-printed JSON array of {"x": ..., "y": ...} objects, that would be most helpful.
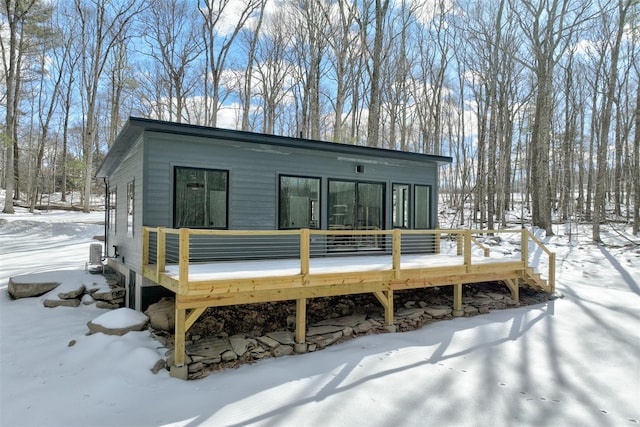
[{"x": 162, "y": 246}]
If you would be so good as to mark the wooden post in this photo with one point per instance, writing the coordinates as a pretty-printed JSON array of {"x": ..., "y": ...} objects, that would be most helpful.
[
  {"x": 304, "y": 251},
  {"x": 301, "y": 323},
  {"x": 179, "y": 351},
  {"x": 552, "y": 271},
  {"x": 467, "y": 247},
  {"x": 161, "y": 250},
  {"x": 396, "y": 253},
  {"x": 457, "y": 297},
  {"x": 145, "y": 246},
  {"x": 183, "y": 262},
  {"x": 524, "y": 246},
  {"x": 386, "y": 299}
]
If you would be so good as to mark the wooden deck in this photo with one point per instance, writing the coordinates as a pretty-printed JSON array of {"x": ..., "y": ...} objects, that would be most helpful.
[{"x": 395, "y": 260}]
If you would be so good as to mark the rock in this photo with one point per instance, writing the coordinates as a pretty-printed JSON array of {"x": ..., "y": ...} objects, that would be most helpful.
[
  {"x": 87, "y": 299},
  {"x": 28, "y": 290},
  {"x": 283, "y": 337},
  {"x": 469, "y": 309},
  {"x": 239, "y": 344},
  {"x": 110, "y": 295},
  {"x": 282, "y": 350},
  {"x": 495, "y": 296},
  {"x": 410, "y": 313},
  {"x": 323, "y": 330},
  {"x": 258, "y": 353},
  {"x": 457, "y": 313},
  {"x": 363, "y": 327},
  {"x": 342, "y": 321},
  {"x": 325, "y": 340},
  {"x": 482, "y": 301},
  {"x": 107, "y": 305},
  {"x": 71, "y": 343},
  {"x": 211, "y": 348},
  {"x": 119, "y": 322},
  {"x": 268, "y": 342},
  {"x": 228, "y": 356},
  {"x": 160, "y": 365},
  {"x": 51, "y": 303},
  {"x": 195, "y": 367},
  {"x": 300, "y": 347},
  {"x": 347, "y": 332},
  {"x": 162, "y": 315},
  {"x": 438, "y": 311},
  {"x": 73, "y": 294}
]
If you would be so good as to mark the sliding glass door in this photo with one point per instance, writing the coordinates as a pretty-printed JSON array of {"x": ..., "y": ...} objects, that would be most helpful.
[{"x": 356, "y": 206}]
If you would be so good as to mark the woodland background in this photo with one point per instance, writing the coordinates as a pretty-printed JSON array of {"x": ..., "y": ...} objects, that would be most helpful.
[{"x": 537, "y": 101}]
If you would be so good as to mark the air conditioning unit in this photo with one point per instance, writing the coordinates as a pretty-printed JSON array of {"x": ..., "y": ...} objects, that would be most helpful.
[{"x": 95, "y": 258}]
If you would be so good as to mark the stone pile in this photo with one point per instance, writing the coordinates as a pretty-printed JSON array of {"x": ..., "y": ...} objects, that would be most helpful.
[
  {"x": 209, "y": 353},
  {"x": 110, "y": 298}
]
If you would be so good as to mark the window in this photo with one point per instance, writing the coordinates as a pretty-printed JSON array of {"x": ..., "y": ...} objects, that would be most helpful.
[
  {"x": 356, "y": 205},
  {"x": 400, "y": 206},
  {"x": 299, "y": 203},
  {"x": 112, "y": 211},
  {"x": 130, "y": 205},
  {"x": 200, "y": 198},
  {"x": 422, "y": 206}
]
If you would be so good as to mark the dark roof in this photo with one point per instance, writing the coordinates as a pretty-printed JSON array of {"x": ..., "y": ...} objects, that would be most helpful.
[{"x": 135, "y": 126}]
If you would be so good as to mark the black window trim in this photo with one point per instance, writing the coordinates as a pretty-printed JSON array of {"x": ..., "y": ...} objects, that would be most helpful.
[
  {"x": 356, "y": 181},
  {"x": 410, "y": 208},
  {"x": 287, "y": 175},
  {"x": 430, "y": 224},
  {"x": 175, "y": 170}
]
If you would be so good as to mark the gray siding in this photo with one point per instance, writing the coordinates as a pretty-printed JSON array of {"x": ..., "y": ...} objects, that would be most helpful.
[
  {"x": 253, "y": 185},
  {"x": 129, "y": 247},
  {"x": 253, "y": 176}
]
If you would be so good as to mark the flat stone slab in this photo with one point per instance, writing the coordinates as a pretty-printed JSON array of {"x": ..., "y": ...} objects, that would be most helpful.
[
  {"x": 283, "y": 337},
  {"x": 209, "y": 347},
  {"x": 119, "y": 322},
  {"x": 438, "y": 311},
  {"x": 28, "y": 290},
  {"x": 352, "y": 321},
  {"x": 74, "y": 293},
  {"x": 323, "y": 330},
  {"x": 52, "y": 303},
  {"x": 410, "y": 313}
]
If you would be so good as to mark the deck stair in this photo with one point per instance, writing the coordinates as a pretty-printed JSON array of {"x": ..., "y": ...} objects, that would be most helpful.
[{"x": 535, "y": 280}]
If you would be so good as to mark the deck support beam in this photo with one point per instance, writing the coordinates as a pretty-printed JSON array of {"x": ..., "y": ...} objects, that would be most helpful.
[
  {"x": 386, "y": 299},
  {"x": 512, "y": 284},
  {"x": 457, "y": 297},
  {"x": 301, "y": 320}
]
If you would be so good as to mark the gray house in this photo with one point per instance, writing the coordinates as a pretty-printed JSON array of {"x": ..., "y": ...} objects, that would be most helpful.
[{"x": 162, "y": 174}]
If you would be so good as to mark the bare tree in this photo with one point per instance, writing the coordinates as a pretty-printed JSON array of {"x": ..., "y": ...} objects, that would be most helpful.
[
  {"x": 603, "y": 143},
  {"x": 102, "y": 26},
  {"x": 171, "y": 33},
  {"x": 217, "y": 44},
  {"x": 375, "y": 67},
  {"x": 17, "y": 14},
  {"x": 547, "y": 26}
]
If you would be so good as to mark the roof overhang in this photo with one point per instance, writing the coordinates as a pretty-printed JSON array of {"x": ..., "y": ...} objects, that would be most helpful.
[{"x": 135, "y": 127}]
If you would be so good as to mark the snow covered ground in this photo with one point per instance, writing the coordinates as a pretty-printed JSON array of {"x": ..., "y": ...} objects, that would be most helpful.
[{"x": 574, "y": 361}]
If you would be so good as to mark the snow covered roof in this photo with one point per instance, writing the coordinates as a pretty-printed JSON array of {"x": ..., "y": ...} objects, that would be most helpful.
[{"x": 135, "y": 126}]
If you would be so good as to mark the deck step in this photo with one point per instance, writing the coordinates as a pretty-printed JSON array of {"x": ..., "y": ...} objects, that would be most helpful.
[{"x": 535, "y": 280}]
